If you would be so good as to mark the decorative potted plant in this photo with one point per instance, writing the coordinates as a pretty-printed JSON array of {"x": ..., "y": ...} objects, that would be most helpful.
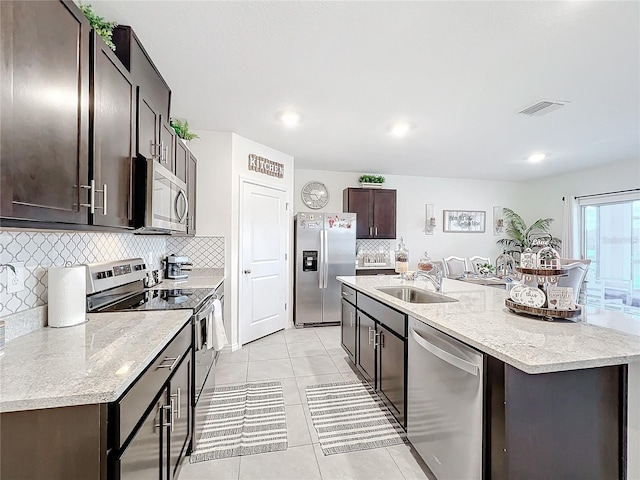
[
  {"x": 371, "y": 181},
  {"x": 486, "y": 269},
  {"x": 100, "y": 25},
  {"x": 521, "y": 237},
  {"x": 182, "y": 130}
]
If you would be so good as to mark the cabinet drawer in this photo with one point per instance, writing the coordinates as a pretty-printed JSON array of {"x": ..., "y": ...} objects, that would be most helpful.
[
  {"x": 130, "y": 408},
  {"x": 389, "y": 317},
  {"x": 349, "y": 294}
]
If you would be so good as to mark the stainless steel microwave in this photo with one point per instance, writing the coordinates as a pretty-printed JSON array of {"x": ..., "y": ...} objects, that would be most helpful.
[{"x": 161, "y": 203}]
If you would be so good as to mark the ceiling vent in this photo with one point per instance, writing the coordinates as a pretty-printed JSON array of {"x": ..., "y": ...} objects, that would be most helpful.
[{"x": 542, "y": 107}]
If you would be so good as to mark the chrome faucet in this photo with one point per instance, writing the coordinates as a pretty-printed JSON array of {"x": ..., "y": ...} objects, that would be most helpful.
[{"x": 435, "y": 277}]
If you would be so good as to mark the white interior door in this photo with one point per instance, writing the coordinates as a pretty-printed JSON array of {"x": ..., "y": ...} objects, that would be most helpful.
[{"x": 263, "y": 283}]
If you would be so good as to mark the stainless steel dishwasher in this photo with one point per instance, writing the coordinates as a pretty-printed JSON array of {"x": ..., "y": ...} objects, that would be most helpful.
[{"x": 445, "y": 403}]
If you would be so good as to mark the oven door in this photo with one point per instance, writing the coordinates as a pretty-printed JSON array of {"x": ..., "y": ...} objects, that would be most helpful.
[{"x": 167, "y": 205}]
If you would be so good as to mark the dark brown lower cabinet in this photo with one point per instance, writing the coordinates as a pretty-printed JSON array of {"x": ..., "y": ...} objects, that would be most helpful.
[
  {"x": 391, "y": 374},
  {"x": 348, "y": 329},
  {"x": 366, "y": 356},
  {"x": 179, "y": 432}
]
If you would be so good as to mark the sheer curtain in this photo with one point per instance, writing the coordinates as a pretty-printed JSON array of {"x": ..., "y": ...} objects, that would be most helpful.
[{"x": 570, "y": 226}]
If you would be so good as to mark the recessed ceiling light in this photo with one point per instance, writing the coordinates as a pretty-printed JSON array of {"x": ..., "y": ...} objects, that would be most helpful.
[
  {"x": 400, "y": 129},
  {"x": 290, "y": 118},
  {"x": 537, "y": 157}
]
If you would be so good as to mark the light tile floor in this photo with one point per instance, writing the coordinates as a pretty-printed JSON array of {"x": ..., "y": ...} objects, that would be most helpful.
[{"x": 297, "y": 358}]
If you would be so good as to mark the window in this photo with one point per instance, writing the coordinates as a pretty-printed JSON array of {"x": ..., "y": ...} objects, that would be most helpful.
[{"x": 610, "y": 238}]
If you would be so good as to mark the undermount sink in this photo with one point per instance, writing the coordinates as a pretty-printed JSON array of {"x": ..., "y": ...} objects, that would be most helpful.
[{"x": 415, "y": 295}]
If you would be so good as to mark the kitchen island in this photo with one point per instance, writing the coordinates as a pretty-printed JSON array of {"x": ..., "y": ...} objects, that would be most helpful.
[{"x": 555, "y": 393}]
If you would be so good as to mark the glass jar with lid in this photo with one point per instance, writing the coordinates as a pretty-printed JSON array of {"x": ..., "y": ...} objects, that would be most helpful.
[
  {"x": 425, "y": 264},
  {"x": 402, "y": 258}
]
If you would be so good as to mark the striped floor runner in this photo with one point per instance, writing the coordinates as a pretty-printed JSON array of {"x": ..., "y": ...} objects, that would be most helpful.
[
  {"x": 243, "y": 420},
  {"x": 349, "y": 416}
]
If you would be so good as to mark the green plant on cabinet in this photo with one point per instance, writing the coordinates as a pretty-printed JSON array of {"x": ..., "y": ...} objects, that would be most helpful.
[
  {"x": 100, "y": 25},
  {"x": 182, "y": 129},
  {"x": 371, "y": 179}
]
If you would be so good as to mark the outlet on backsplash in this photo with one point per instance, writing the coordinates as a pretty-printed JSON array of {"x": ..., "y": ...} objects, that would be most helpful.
[{"x": 15, "y": 277}]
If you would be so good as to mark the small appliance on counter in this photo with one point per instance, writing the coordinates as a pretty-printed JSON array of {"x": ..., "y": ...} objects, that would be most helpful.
[{"x": 175, "y": 267}]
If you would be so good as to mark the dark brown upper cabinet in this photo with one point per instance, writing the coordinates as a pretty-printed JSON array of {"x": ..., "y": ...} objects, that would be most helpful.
[
  {"x": 156, "y": 138},
  {"x": 112, "y": 134},
  {"x": 376, "y": 210},
  {"x": 182, "y": 160},
  {"x": 192, "y": 180},
  {"x": 44, "y": 140}
]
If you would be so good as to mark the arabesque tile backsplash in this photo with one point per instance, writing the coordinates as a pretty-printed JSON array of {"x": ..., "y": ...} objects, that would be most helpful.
[{"x": 41, "y": 250}]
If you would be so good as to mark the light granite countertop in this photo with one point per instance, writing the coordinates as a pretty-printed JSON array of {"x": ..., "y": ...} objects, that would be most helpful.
[
  {"x": 90, "y": 363},
  {"x": 533, "y": 345},
  {"x": 198, "y": 278}
]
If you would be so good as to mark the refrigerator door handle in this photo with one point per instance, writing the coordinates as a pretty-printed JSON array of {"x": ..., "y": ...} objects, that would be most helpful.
[
  {"x": 325, "y": 271},
  {"x": 321, "y": 261}
]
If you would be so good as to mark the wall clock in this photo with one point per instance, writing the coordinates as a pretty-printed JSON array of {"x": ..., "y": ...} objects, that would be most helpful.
[{"x": 315, "y": 195}]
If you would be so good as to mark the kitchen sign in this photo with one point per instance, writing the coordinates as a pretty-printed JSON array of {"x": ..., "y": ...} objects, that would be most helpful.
[{"x": 266, "y": 166}]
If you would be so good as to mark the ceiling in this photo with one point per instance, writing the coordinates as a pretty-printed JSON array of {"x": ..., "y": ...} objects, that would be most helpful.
[{"x": 458, "y": 71}]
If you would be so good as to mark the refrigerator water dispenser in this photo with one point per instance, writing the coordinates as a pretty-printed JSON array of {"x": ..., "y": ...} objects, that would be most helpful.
[{"x": 309, "y": 260}]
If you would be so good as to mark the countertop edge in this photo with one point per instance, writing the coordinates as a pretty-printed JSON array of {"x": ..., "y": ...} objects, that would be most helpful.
[{"x": 525, "y": 367}]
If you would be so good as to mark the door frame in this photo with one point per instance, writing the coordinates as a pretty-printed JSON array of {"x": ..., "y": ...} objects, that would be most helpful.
[{"x": 287, "y": 267}]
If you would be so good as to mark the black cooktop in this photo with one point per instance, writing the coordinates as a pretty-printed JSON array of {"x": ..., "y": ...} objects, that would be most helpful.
[{"x": 170, "y": 299}]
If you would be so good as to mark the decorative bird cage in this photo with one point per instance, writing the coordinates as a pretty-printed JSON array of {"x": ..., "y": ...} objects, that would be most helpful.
[
  {"x": 505, "y": 265},
  {"x": 548, "y": 259}
]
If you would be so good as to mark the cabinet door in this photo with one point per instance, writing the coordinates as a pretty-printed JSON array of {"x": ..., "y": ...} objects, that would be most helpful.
[
  {"x": 182, "y": 159},
  {"x": 144, "y": 457},
  {"x": 179, "y": 388},
  {"x": 168, "y": 145},
  {"x": 45, "y": 111},
  {"x": 113, "y": 137},
  {"x": 148, "y": 128},
  {"x": 192, "y": 175},
  {"x": 348, "y": 329},
  {"x": 392, "y": 371},
  {"x": 359, "y": 201},
  {"x": 366, "y": 357},
  {"x": 384, "y": 213}
]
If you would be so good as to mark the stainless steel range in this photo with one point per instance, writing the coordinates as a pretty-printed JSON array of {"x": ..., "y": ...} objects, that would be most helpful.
[{"x": 119, "y": 286}]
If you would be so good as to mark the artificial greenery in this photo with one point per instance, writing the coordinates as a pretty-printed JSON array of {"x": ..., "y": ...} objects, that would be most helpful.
[
  {"x": 486, "y": 268},
  {"x": 100, "y": 25},
  {"x": 182, "y": 129},
  {"x": 371, "y": 179},
  {"x": 521, "y": 237}
]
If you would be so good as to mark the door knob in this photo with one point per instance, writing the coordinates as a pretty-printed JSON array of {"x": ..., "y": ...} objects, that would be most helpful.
[{"x": 247, "y": 271}]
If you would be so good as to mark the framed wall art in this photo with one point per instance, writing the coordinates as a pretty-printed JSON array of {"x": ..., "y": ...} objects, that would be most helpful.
[{"x": 464, "y": 221}]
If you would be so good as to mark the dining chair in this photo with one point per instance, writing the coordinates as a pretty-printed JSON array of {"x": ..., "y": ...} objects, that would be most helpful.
[
  {"x": 474, "y": 262},
  {"x": 575, "y": 278},
  {"x": 454, "y": 266}
]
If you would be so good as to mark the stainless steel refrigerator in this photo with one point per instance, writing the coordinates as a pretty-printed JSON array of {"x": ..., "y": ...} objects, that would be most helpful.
[{"x": 325, "y": 245}]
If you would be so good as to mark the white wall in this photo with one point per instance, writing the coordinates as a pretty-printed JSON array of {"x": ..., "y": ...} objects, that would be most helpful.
[
  {"x": 222, "y": 166},
  {"x": 412, "y": 195},
  {"x": 543, "y": 197}
]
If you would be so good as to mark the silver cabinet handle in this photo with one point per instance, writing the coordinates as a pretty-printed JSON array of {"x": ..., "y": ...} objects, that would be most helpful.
[
  {"x": 376, "y": 231},
  {"x": 162, "y": 408},
  {"x": 178, "y": 402},
  {"x": 163, "y": 152},
  {"x": 104, "y": 199},
  {"x": 371, "y": 335},
  {"x": 172, "y": 423},
  {"x": 345, "y": 294},
  {"x": 154, "y": 147},
  {"x": 247, "y": 271},
  {"x": 371, "y": 231},
  {"x": 175, "y": 361},
  {"x": 92, "y": 196}
]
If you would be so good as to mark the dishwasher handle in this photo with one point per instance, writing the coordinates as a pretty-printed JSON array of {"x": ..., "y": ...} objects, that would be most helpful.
[{"x": 445, "y": 356}]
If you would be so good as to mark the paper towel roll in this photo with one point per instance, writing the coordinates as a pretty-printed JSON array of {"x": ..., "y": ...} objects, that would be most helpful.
[{"x": 67, "y": 296}]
